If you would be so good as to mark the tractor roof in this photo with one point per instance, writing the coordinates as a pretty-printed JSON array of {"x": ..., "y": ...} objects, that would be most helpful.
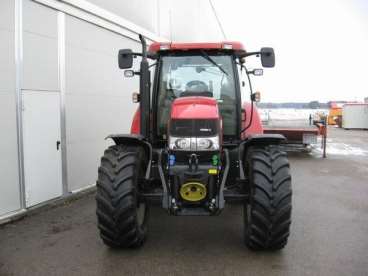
[{"x": 173, "y": 46}]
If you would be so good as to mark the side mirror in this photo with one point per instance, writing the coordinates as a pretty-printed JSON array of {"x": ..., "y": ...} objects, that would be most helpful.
[
  {"x": 267, "y": 57},
  {"x": 125, "y": 58}
]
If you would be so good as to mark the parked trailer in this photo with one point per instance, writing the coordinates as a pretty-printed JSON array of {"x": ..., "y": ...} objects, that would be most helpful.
[
  {"x": 355, "y": 116},
  {"x": 301, "y": 138}
]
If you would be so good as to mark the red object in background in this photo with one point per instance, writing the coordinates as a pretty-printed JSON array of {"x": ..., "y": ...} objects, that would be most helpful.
[
  {"x": 194, "y": 108},
  {"x": 293, "y": 135},
  {"x": 256, "y": 126}
]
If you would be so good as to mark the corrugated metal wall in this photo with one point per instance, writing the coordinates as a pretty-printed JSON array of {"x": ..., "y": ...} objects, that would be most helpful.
[
  {"x": 40, "y": 78},
  {"x": 9, "y": 186},
  {"x": 142, "y": 12},
  {"x": 40, "y": 48},
  {"x": 98, "y": 98}
]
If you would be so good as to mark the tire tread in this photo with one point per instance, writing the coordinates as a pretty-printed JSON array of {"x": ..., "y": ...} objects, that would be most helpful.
[
  {"x": 268, "y": 224},
  {"x": 116, "y": 197}
]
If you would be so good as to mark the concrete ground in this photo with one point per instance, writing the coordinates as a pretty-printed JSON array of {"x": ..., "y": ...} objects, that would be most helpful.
[{"x": 329, "y": 230}]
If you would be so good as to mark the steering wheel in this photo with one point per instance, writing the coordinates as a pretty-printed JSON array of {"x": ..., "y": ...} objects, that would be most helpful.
[{"x": 196, "y": 85}]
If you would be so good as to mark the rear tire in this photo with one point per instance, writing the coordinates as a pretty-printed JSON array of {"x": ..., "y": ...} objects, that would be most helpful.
[
  {"x": 121, "y": 217},
  {"x": 267, "y": 214}
]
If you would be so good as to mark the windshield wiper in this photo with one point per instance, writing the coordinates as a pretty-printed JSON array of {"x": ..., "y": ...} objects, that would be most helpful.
[{"x": 206, "y": 56}]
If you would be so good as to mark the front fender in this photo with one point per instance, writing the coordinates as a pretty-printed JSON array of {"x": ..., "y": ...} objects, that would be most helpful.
[
  {"x": 136, "y": 140},
  {"x": 126, "y": 138},
  {"x": 259, "y": 140}
]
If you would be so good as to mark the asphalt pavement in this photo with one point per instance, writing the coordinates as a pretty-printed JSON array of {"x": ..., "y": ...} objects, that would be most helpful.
[{"x": 329, "y": 232}]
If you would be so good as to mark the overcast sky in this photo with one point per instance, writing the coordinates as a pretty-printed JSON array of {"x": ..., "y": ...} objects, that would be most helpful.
[{"x": 321, "y": 46}]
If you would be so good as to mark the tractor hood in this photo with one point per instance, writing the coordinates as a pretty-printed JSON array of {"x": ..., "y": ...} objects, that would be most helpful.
[{"x": 195, "y": 108}]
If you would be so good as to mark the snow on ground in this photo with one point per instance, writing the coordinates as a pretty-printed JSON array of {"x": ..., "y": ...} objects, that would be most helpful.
[
  {"x": 339, "y": 148},
  {"x": 289, "y": 113},
  {"x": 291, "y": 117}
]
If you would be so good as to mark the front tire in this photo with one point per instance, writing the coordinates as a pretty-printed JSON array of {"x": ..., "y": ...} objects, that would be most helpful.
[
  {"x": 267, "y": 214},
  {"x": 122, "y": 218}
]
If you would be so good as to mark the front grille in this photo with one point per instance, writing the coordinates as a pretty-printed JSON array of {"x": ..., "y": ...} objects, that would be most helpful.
[{"x": 194, "y": 127}]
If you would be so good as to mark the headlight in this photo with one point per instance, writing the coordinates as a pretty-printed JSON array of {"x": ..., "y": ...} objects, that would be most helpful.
[
  {"x": 179, "y": 143},
  {"x": 182, "y": 143},
  {"x": 204, "y": 143},
  {"x": 210, "y": 143},
  {"x": 194, "y": 144}
]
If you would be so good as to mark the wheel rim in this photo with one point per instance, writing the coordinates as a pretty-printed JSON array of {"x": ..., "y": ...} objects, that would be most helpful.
[{"x": 141, "y": 211}]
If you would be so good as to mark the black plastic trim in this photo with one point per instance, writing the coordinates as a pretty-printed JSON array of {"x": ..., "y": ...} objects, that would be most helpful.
[{"x": 270, "y": 139}]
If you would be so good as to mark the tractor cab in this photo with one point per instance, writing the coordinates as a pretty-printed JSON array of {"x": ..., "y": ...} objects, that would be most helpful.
[
  {"x": 199, "y": 69},
  {"x": 197, "y": 74}
]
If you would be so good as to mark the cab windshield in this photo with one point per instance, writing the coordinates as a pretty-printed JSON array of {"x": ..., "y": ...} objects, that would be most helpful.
[{"x": 197, "y": 75}]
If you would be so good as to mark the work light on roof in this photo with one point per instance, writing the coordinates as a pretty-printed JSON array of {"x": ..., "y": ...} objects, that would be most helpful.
[
  {"x": 164, "y": 47},
  {"x": 227, "y": 46}
]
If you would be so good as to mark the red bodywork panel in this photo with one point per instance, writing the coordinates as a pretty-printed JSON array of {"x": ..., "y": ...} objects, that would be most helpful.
[
  {"x": 172, "y": 46},
  {"x": 135, "y": 127},
  {"x": 197, "y": 107},
  {"x": 183, "y": 111},
  {"x": 185, "y": 108},
  {"x": 194, "y": 108},
  {"x": 256, "y": 126}
]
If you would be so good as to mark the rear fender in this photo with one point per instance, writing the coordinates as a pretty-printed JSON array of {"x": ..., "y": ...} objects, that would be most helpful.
[
  {"x": 137, "y": 141},
  {"x": 264, "y": 139}
]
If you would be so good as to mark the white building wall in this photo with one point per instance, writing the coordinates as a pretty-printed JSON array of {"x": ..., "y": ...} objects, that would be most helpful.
[
  {"x": 9, "y": 186},
  {"x": 96, "y": 98},
  {"x": 40, "y": 48},
  {"x": 193, "y": 20},
  {"x": 355, "y": 116},
  {"x": 190, "y": 20},
  {"x": 141, "y": 12}
]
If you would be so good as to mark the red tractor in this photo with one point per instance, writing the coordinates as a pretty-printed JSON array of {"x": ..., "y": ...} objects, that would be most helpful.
[{"x": 194, "y": 147}]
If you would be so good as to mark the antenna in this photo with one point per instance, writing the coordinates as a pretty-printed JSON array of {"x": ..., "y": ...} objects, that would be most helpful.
[
  {"x": 170, "y": 22},
  {"x": 217, "y": 19}
]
